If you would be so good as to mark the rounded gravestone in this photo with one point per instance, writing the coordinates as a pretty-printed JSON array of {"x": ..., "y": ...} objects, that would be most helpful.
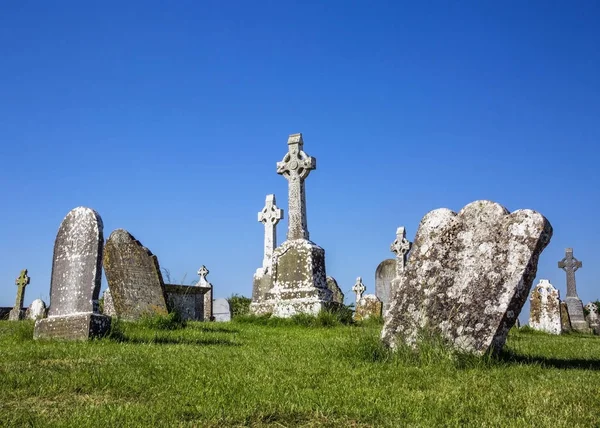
[{"x": 36, "y": 310}]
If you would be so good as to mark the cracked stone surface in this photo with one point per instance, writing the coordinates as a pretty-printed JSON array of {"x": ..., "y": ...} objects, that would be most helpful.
[
  {"x": 134, "y": 277},
  {"x": 544, "y": 308},
  {"x": 468, "y": 276}
]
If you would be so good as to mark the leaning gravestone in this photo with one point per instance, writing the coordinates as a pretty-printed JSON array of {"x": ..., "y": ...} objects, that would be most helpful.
[
  {"x": 133, "y": 276},
  {"x": 76, "y": 278},
  {"x": 468, "y": 277},
  {"x": 221, "y": 310},
  {"x": 336, "y": 291},
  {"x": 544, "y": 308},
  {"x": 36, "y": 310},
  {"x": 384, "y": 275}
]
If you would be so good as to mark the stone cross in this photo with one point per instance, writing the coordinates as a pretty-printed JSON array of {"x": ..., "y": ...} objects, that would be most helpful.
[
  {"x": 359, "y": 288},
  {"x": 21, "y": 282},
  {"x": 401, "y": 246},
  {"x": 295, "y": 167},
  {"x": 570, "y": 264},
  {"x": 270, "y": 216},
  {"x": 202, "y": 272},
  {"x": 208, "y": 296}
]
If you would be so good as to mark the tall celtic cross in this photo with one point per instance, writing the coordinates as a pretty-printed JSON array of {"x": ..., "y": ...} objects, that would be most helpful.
[
  {"x": 570, "y": 264},
  {"x": 295, "y": 167},
  {"x": 359, "y": 288},
  {"x": 270, "y": 216},
  {"x": 401, "y": 247},
  {"x": 21, "y": 282}
]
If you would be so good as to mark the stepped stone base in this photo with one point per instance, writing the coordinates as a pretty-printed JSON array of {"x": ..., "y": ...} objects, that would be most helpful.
[{"x": 72, "y": 327}]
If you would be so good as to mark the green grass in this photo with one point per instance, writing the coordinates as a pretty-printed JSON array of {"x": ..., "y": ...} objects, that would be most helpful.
[{"x": 265, "y": 372}]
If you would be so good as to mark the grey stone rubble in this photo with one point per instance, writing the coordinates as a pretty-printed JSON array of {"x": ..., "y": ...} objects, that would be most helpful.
[
  {"x": 76, "y": 280},
  {"x": 337, "y": 296},
  {"x": 109, "y": 305},
  {"x": 221, "y": 310},
  {"x": 21, "y": 282},
  {"x": 574, "y": 305},
  {"x": 468, "y": 276},
  {"x": 544, "y": 308},
  {"x": 134, "y": 277},
  {"x": 298, "y": 276},
  {"x": 36, "y": 310},
  {"x": 208, "y": 294},
  {"x": 384, "y": 275},
  {"x": 592, "y": 317},
  {"x": 270, "y": 216}
]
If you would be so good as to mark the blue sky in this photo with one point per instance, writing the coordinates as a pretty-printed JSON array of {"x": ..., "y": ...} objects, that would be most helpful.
[{"x": 168, "y": 119}]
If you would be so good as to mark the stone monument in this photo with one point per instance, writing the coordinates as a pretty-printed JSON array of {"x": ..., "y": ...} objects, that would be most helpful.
[
  {"x": 208, "y": 295},
  {"x": 337, "y": 295},
  {"x": 592, "y": 317},
  {"x": 367, "y": 305},
  {"x": 76, "y": 280},
  {"x": 384, "y": 275},
  {"x": 16, "y": 313},
  {"x": 468, "y": 276},
  {"x": 109, "y": 306},
  {"x": 570, "y": 264},
  {"x": 298, "y": 265},
  {"x": 544, "y": 308},
  {"x": 221, "y": 310},
  {"x": 36, "y": 310},
  {"x": 270, "y": 215},
  {"x": 134, "y": 277}
]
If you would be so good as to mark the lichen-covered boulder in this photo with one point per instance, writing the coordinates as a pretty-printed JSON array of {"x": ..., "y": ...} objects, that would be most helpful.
[
  {"x": 467, "y": 277},
  {"x": 544, "y": 308},
  {"x": 369, "y": 306}
]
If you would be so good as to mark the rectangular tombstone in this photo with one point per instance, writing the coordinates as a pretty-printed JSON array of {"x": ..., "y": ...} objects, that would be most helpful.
[
  {"x": 384, "y": 275},
  {"x": 221, "y": 310},
  {"x": 186, "y": 300},
  {"x": 134, "y": 277},
  {"x": 76, "y": 278}
]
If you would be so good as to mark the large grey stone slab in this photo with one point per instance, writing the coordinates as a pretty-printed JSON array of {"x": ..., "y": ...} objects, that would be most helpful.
[
  {"x": 468, "y": 276},
  {"x": 76, "y": 278},
  {"x": 221, "y": 310},
  {"x": 384, "y": 275},
  {"x": 134, "y": 277},
  {"x": 544, "y": 308},
  {"x": 186, "y": 300}
]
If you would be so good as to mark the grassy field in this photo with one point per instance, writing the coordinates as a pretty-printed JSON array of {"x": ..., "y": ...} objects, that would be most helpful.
[{"x": 284, "y": 374}]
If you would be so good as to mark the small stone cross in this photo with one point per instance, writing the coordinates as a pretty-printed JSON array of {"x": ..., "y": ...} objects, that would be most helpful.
[
  {"x": 295, "y": 167},
  {"x": 270, "y": 216},
  {"x": 21, "y": 282},
  {"x": 202, "y": 272},
  {"x": 359, "y": 288},
  {"x": 401, "y": 246},
  {"x": 570, "y": 264}
]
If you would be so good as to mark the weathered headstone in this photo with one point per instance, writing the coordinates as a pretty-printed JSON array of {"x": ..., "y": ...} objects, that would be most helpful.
[
  {"x": 592, "y": 317},
  {"x": 298, "y": 265},
  {"x": 16, "y": 313},
  {"x": 36, "y": 310},
  {"x": 186, "y": 300},
  {"x": 221, "y": 310},
  {"x": 208, "y": 295},
  {"x": 574, "y": 305},
  {"x": 384, "y": 275},
  {"x": 368, "y": 306},
  {"x": 134, "y": 277},
  {"x": 270, "y": 215},
  {"x": 468, "y": 277},
  {"x": 544, "y": 308},
  {"x": 76, "y": 280},
  {"x": 565, "y": 322},
  {"x": 109, "y": 306},
  {"x": 337, "y": 296}
]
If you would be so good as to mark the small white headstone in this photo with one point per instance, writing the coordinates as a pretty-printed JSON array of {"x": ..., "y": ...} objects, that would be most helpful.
[
  {"x": 36, "y": 310},
  {"x": 221, "y": 310}
]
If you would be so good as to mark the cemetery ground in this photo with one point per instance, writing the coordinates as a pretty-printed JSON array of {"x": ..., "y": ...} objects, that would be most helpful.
[{"x": 297, "y": 372}]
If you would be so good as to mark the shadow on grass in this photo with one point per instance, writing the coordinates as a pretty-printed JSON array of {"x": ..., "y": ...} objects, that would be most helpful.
[
  {"x": 210, "y": 329},
  {"x": 511, "y": 357},
  {"x": 165, "y": 340}
]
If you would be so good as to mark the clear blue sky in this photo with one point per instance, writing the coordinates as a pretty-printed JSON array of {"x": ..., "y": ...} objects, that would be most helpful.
[{"x": 169, "y": 118}]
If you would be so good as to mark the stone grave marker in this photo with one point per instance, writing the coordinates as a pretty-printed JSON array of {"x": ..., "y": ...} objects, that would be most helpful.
[
  {"x": 16, "y": 313},
  {"x": 298, "y": 265},
  {"x": 468, "y": 277},
  {"x": 570, "y": 264},
  {"x": 109, "y": 305},
  {"x": 366, "y": 305},
  {"x": 336, "y": 291},
  {"x": 384, "y": 275},
  {"x": 208, "y": 295},
  {"x": 134, "y": 277},
  {"x": 592, "y": 317},
  {"x": 565, "y": 322},
  {"x": 544, "y": 308},
  {"x": 221, "y": 310},
  {"x": 76, "y": 280},
  {"x": 37, "y": 310}
]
